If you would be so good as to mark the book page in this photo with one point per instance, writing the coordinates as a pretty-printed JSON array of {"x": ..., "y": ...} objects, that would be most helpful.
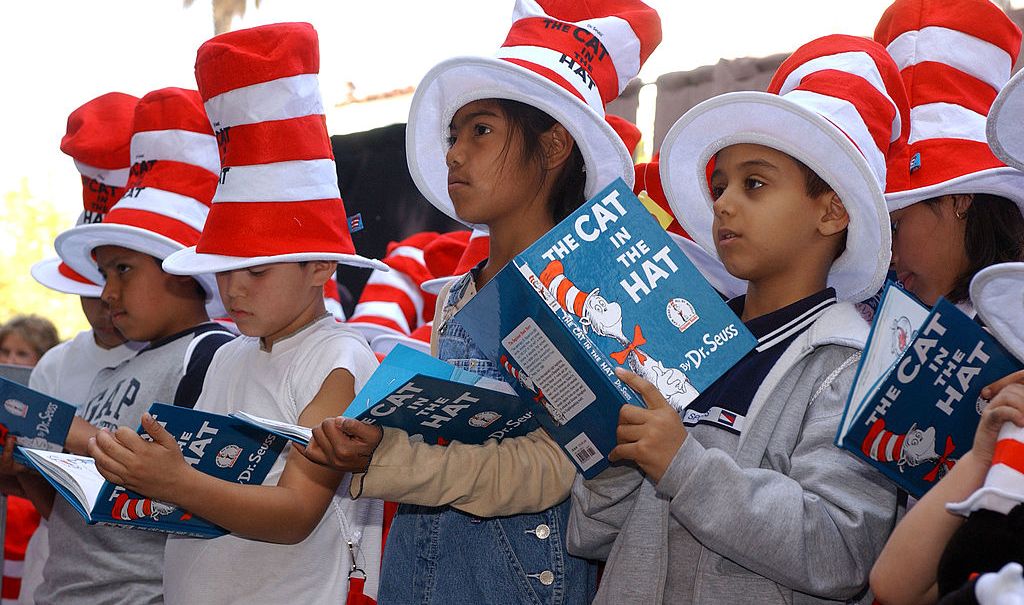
[
  {"x": 564, "y": 389},
  {"x": 290, "y": 431},
  {"x": 77, "y": 473}
]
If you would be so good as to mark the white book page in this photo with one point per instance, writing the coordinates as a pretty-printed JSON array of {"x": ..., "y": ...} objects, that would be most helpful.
[
  {"x": 295, "y": 430},
  {"x": 76, "y": 473}
]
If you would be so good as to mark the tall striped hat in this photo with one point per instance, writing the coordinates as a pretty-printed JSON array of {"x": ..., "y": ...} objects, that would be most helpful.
[
  {"x": 569, "y": 297},
  {"x": 1003, "y": 489},
  {"x": 565, "y": 57},
  {"x": 278, "y": 197},
  {"x": 954, "y": 58},
  {"x": 475, "y": 250},
  {"x": 882, "y": 444},
  {"x": 392, "y": 301},
  {"x": 98, "y": 138},
  {"x": 173, "y": 178},
  {"x": 838, "y": 105}
]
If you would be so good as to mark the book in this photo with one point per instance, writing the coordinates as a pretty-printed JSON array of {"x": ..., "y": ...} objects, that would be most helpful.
[
  {"x": 214, "y": 444},
  {"x": 605, "y": 287},
  {"x": 292, "y": 432},
  {"x": 35, "y": 419},
  {"x": 915, "y": 403}
]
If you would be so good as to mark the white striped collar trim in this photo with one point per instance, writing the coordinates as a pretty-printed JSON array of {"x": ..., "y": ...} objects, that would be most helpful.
[{"x": 795, "y": 325}]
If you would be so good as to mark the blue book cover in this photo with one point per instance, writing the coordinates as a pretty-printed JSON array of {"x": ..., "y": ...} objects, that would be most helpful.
[
  {"x": 37, "y": 420},
  {"x": 217, "y": 445},
  {"x": 919, "y": 417},
  {"x": 425, "y": 396},
  {"x": 606, "y": 287}
]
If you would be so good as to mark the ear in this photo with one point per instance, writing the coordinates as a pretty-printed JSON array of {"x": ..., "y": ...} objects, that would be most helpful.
[
  {"x": 320, "y": 271},
  {"x": 557, "y": 144},
  {"x": 834, "y": 218},
  {"x": 961, "y": 202}
]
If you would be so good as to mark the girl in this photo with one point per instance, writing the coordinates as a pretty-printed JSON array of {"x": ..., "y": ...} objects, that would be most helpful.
[{"x": 525, "y": 144}]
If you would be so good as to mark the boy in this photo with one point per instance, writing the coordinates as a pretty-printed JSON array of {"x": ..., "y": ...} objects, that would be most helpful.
[
  {"x": 745, "y": 498},
  {"x": 173, "y": 180},
  {"x": 275, "y": 235}
]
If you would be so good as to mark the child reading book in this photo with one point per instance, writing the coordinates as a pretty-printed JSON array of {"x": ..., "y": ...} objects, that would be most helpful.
[{"x": 745, "y": 498}]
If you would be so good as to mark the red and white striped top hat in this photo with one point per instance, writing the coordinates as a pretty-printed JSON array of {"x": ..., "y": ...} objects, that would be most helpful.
[
  {"x": 392, "y": 301},
  {"x": 1004, "y": 484},
  {"x": 954, "y": 58},
  {"x": 838, "y": 105},
  {"x": 565, "y": 57},
  {"x": 98, "y": 138},
  {"x": 476, "y": 250},
  {"x": 627, "y": 131},
  {"x": 882, "y": 444},
  {"x": 997, "y": 293},
  {"x": 278, "y": 197},
  {"x": 173, "y": 178},
  {"x": 569, "y": 297}
]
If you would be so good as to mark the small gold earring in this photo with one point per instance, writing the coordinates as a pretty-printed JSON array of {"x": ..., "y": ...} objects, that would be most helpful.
[{"x": 960, "y": 215}]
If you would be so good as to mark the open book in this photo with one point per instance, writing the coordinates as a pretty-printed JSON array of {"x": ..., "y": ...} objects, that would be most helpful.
[{"x": 214, "y": 444}]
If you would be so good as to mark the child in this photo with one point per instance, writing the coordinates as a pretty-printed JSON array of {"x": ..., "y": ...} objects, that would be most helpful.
[
  {"x": 25, "y": 338},
  {"x": 959, "y": 209},
  {"x": 276, "y": 232},
  {"x": 526, "y": 144},
  {"x": 163, "y": 210},
  {"x": 745, "y": 499}
]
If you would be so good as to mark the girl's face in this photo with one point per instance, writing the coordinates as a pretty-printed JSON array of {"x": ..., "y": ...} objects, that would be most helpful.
[
  {"x": 488, "y": 179},
  {"x": 16, "y": 350},
  {"x": 928, "y": 250}
]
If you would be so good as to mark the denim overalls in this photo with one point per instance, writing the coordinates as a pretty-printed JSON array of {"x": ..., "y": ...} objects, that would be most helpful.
[{"x": 441, "y": 556}]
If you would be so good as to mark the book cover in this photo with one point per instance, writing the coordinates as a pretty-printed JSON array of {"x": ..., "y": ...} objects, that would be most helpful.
[
  {"x": 425, "y": 396},
  {"x": 217, "y": 445},
  {"x": 606, "y": 287},
  {"x": 37, "y": 420},
  {"x": 917, "y": 419}
]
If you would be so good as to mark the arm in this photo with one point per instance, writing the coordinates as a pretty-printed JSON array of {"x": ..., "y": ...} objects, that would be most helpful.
[
  {"x": 79, "y": 435},
  {"x": 159, "y": 471},
  {"x": 905, "y": 571},
  {"x": 512, "y": 476},
  {"x": 600, "y": 507}
]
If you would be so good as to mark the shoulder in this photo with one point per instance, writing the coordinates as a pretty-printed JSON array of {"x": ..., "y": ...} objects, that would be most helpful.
[
  {"x": 48, "y": 369},
  {"x": 840, "y": 325},
  {"x": 331, "y": 345}
]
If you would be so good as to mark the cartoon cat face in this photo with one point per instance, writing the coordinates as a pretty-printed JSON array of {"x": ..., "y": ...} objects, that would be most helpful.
[{"x": 919, "y": 446}]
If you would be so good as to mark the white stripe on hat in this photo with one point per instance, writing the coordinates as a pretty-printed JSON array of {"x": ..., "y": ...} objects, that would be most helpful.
[
  {"x": 184, "y": 146},
  {"x": 116, "y": 178},
  {"x": 552, "y": 59},
  {"x": 946, "y": 121},
  {"x": 384, "y": 309},
  {"x": 969, "y": 54},
  {"x": 280, "y": 99},
  {"x": 412, "y": 252},
  {"x": 402, "y": 282},
  {"x": 167, "y": 203},
  {"x": 621, "y": 43},
  {"x": 857, "y": 63},
  {"x": 841, "y": 111},
  {"x": 291, "y": 181}
]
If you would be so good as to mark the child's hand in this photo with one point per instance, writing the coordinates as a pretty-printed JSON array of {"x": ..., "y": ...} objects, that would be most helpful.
[
  {"x": 156, "y": 470},
  {"x": 344, "y": 444},
  {"x": 1007, "y": 406},
  {"x": 9, "y": 470},
  {"x": 650, "y": 437},
  {"x": 993, "y": 389}
]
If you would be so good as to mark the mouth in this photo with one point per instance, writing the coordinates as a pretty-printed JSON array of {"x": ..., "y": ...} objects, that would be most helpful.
[
  {"x": 238, "y": 313},
  {"x": 455, "y": 182},
  {"x": 726, "y": 235},
  {"x": 116, "y": 314}
]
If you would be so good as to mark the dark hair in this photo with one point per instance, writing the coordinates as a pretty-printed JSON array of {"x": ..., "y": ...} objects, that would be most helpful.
[
  {"x": 994, "y": 234},
  {"x": 815, "y": 187},
  {"x": 567, "y": 194}
]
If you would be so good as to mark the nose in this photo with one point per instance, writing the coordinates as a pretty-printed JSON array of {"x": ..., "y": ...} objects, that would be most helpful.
[
  {"x": 230, "y": 284},
  {"x": 111, "y": 291},
  {"x": 723, "y": 205},
  {"x": 454, "y": 156}
]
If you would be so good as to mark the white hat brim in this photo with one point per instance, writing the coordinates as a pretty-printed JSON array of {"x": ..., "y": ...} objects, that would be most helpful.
[
  {"x": 1003, "y": 127},
  {"x": 434, "y": 286},
  {"x": 997, "y": 293},
  {"x": 372, "y": 331},
  {"x": 772, "y": 121},
  {"x": 1004, "y": 181},
  {"x": 189, "y": 262},
  {"x": 455, "y": 82},
  {"x": 385, "y": 343},
  {"x": 46, "y": 273}
]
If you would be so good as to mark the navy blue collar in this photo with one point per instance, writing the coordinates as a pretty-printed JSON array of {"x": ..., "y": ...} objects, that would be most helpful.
[{"x": 781, "y": 325}]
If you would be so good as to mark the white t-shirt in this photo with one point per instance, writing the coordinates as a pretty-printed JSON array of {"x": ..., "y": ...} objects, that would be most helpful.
[
  {"x": 279, "y": 384},
  {"x": 67, "y": 370}
]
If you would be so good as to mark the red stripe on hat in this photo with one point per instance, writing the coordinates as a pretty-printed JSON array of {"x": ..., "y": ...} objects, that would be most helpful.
[
  {"x": 186, "y": 179},
  {"x": 979, "y": 18},
  {"x": 256, "y": 55},
  {"x": 578, "y": 45},
  {"x": 442, "y": 255},
  {"x": 97, "y": 197},
  {"x": 273, "y": 228},
  {"x": 100, "y": 131},
  {"x": 477, "y": 250},
  {"x": 70, "y": 273},
  {"x": 390, "y": 294},
  {"x": 933, "y": 82},
  {"x": 302, "y": 138},
  {"x": 874, "y": 108},
  {"x": 643, "y": 20},
  {"x": 1009, "y": 452},
  {"x": 172, "y": 109},
  {"x": 157, "y": 223},
  {"x": 550, "y": 75},
  {"x": 945, "y": 159}
]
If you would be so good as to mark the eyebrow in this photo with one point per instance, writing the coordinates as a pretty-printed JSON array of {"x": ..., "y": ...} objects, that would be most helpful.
[
  {"x": 475, "y": 114},
  {"x": 758, "y": 163}
]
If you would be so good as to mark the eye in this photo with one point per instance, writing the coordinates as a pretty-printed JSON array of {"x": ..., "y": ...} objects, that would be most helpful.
[
  {"x": 123, "y": 268},
  {"x": 451, "y": 140},
  {"x": 481, "y": 129},
  {"x": 893, "y": 223},
  {"x": 753, "y": 183},
  {"x": 717, "y": 191},
  {"x": 256, "y": 271}
]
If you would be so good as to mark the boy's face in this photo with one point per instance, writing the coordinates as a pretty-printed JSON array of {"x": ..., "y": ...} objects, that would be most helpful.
[
  {"x": 140, "y": 295},
  {"x": 765, "y": 224},
  {"x": 271, "y": 301},
  {"x": 97, "y": 313}
]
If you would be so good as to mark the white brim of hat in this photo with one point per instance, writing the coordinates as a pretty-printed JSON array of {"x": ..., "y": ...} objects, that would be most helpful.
[
  {"x": 997, "y": 293},
  {"x": 711, "y": 268},
  {"x": 46, "y": 273},
  {"x": 1004, "y": 181},
  {"x": 434, "y": 286},
  {"x": 372, "y": 331},
  {"x": 990, "y": 496},
  {"x": 1003, "y": 127},
  {"x": 75, "y": 246},
  {"x": 455, "y": 82},
  {"x": 189, "y": 262},
  {"x": 772, "y": 121},
  {"x": 385, "y": 343}
]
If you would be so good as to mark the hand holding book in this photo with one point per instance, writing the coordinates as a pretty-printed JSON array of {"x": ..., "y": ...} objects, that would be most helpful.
[
  {"x": 344, "y": 444},
  {"x": 649, "y": 436}
]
